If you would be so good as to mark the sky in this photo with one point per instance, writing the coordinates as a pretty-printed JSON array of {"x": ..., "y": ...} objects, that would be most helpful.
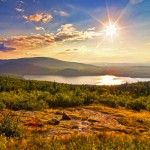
[{"x": 88, "y": 31}]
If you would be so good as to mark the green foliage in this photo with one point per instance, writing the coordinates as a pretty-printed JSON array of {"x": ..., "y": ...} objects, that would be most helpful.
[
  {"x": 19, "y": 94},
  {"x": 135, "y": 105},
  {"x": 10, "y": 127},
  {"x": 2, "y": 105}
]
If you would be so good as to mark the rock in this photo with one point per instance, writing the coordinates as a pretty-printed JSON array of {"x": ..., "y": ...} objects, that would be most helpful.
[
  {"x": 53, "y": 122},
  {"x": 66, "y": 117},
  {"x": 92, "y": 120},
  {"x": 75, "y": 127},
  {"x": 139, "y": 120}
]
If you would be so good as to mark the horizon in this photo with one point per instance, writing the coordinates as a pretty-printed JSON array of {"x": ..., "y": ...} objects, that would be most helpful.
[
  {"x": 90, "y": 63},
  {"x": 92, "y": 32}
]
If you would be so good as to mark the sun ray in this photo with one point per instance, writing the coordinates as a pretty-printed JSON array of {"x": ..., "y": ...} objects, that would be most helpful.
[
  {"x": 99, "y": 21},
  {"x": 122, "y": 13},
  {"x": 108, "y": 11},
  {"x": 102, "y": 40},
  {"x": 111, "y": 28},
  {"x": 86, "y": 12}
]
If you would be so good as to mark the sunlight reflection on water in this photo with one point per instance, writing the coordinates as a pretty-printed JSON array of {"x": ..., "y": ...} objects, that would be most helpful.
[
  {"x": 109, "y": 80},
  {"x": 91, "y": 80}
]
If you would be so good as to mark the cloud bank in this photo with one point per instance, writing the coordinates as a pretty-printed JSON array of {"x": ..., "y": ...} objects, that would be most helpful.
[
  {"x": 4, "y": 48},
  {"x": 66, "y": 32}
]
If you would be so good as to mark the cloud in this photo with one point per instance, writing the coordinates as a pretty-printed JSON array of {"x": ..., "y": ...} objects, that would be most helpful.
[
  {"x": 35, "y": 18},
  {"x": 66, "y": 32},
  {"x": 39, "y": 17},
  {"x": 19, "y": 6},
  {"x": 47, "y": 17},
  {"x": 29, "y": 42},
  {"x": 4, "y": 48},
  {"x": 134, "y": 2},
  {"x": 19, "y": 2},
  {"x": 69, "y": 51},
  {"x": 19, "y": 10},
  {"x": 91, "y": 29},
  {"x": 63, "y": 13},
  {"x": 39, "y": 28}
]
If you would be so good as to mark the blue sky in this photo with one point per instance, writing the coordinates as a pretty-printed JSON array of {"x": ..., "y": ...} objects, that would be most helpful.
[{"x": 72, "y": 29}]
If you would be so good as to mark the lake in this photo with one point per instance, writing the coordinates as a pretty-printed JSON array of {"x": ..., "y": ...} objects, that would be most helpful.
[{"x": 92, "y": 80}]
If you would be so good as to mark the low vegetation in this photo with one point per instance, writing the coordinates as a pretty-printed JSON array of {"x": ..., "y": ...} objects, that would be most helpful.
[
  {"x": 100, "y": 117},
  {"x": 99, "y": 142},
  {"x": 17, "y": 94}
]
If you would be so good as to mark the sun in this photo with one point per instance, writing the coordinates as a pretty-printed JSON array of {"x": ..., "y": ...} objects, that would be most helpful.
[{"x": 111, "y": 30}]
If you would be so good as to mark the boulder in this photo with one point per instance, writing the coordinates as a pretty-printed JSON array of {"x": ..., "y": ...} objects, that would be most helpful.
[
  {"x": 65, "y": 117},
  {"x": 53, "y": 121}
]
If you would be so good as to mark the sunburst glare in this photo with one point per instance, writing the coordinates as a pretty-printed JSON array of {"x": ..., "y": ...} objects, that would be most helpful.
[{"x": 111, "y": 30}]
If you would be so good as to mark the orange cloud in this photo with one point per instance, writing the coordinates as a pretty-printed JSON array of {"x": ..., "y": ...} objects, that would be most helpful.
[
  {"x": 66, "y": 32},
  {"x": 47, "y": 17},
  {"x": 44, "y": 17},
  {"x": 4, "y": 48},
  {"x": 29, "y": 42}
]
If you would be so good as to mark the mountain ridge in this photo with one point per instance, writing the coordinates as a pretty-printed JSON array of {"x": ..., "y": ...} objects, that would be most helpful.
[
  {"x": 52, "y": 66},
  {"x": 44, "y": 65}
]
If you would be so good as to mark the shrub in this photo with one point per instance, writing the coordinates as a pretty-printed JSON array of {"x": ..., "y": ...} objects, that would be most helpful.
[
  {"x": 10, "y": 127},
  {"x": 135, "y": 105},
  {"x": 109, "y": 100},
  {"x": 148, "y": 106},
  {"x": 2, "y": 106},
  {"x": 61, "y": 100}
]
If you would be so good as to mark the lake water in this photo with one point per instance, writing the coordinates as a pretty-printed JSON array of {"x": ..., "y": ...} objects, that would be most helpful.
[{"x": 92, "y": 80}]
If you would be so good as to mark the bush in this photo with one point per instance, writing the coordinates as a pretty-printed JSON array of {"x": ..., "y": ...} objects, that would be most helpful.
[
  {"x": 10, "y": 127},
  {"x": 109, "y": 100},
  {"x": 90, "y": 97},
  {"x": 148, "y": 106},
  {"x": 2, "y": 106},
  {"x": 135, "y": 105}
]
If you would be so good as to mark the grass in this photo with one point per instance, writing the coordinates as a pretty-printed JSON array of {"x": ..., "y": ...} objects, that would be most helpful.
[
  {"x": 134, "y": 135},
  {"x": 80, "y": 142}
]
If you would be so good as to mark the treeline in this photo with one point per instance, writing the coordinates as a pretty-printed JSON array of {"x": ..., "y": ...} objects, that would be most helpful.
[{"x": 18, "y": 94}]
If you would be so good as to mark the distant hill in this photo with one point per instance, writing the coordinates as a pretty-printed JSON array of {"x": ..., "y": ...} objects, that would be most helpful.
[
  {"x": 51, "y": 66},
  {"x": 22, "y": 68},
  {"x": 121, "y": 64},
  {"x": 45, "y": 66},
  {"x": 52, "y": 63}
]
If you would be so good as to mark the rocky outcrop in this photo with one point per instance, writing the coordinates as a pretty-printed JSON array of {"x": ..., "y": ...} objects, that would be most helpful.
[{"x": 65, "y": 116}]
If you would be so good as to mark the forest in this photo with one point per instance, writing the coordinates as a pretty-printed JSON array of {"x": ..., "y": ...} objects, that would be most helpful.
[{"x": 19, "y": 94}]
